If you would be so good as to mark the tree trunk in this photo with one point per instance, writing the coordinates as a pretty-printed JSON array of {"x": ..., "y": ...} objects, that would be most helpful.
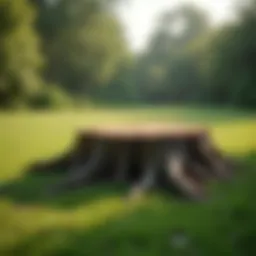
[{"x": 147, "y": 157}]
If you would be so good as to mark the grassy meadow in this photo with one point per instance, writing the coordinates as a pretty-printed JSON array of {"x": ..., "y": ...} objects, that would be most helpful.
[{"x": 96, "y": 221}]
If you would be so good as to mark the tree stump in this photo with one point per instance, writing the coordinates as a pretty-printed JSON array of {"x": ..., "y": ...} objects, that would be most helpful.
[{"x": 146, "y": 156}]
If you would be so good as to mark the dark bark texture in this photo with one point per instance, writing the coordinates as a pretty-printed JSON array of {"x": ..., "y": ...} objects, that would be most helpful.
[{"x": 181, "y": 160}]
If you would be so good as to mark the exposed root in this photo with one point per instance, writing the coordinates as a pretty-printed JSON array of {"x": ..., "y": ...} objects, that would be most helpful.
[
  {"x": 59, "y": 164},
  {"x": 183, "y": 177},
  {"x": 84, "y": 173},
  {"x": 217, "y": 163}
]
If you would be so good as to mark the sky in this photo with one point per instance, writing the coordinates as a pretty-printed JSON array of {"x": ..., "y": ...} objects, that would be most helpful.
[{"x": 139, "y": 16}]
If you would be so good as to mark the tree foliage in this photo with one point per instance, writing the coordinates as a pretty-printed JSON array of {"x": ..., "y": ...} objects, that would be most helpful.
[
  {"x": 20, "y": 58},
  {"x": 187, "y": 60},
  {"x": 167, "y": 71},
  {"x": 77, "y": 48},
  {"x": 83, "y": 43},
  {"x": 232, "y": 73}
]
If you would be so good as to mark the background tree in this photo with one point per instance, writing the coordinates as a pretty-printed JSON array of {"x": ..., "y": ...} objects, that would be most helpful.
[
  {"x": 83, "y": 43},
  {"x": 188, "y": 60},
  {"x": 20, "y": 58},
  {"x": 81, "y": 47},
  {"x": 232, "y": 77},
  {"x": 167, "y": 70}
]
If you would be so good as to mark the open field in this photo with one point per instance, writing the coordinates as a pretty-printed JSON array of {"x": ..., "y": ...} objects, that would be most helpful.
[{"x": 96, "y": 221}]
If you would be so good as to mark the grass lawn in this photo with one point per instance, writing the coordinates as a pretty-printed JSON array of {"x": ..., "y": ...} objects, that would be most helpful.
[{"x": 97, "y": 221}]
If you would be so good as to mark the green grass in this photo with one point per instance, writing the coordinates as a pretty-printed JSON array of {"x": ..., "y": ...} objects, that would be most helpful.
[{"x": 97, "y": 221}]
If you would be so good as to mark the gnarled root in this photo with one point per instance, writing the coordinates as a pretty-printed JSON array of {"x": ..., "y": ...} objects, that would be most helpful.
[
  {"x": 85, "y": 172},
  {"x": 220, "y": 167},
  {"x": 182, "y": 175},
  {"x": 59, "y": 164}
]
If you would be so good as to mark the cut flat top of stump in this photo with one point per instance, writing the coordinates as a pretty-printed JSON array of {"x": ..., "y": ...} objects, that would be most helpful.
[{"x": 144, "y": 131}]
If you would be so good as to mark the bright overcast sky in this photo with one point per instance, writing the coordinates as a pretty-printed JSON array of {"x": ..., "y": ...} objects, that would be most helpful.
[{"x": 139, "y": 16}]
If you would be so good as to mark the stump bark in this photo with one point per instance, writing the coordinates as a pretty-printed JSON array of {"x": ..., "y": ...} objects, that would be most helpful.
[{"x": 173, "y": 158}]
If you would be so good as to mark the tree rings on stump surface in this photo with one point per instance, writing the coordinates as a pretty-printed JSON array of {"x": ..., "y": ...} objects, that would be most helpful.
[{"x": 145, "y": 156}]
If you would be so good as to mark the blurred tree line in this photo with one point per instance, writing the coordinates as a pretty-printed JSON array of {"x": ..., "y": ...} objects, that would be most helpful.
[
  {"x": 188, "y": 60},
  {"x": 55, "y": 51}
]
